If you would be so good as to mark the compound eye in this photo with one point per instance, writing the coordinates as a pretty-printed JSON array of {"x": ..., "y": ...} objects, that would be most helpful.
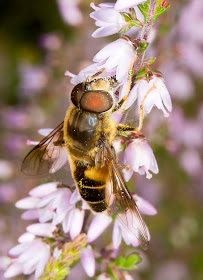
[
  {"x": 96, "y": 101},
  {"x": 76, "y": 94}
]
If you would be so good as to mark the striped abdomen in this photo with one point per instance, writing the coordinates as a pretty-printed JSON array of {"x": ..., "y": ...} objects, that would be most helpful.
[{"x": 92, "y": 185}]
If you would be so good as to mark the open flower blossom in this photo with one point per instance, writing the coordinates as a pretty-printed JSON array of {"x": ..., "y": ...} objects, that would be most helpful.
[
  {"x": 149, "y": 94},
  {"x": 109, "y": 20},
  {"x": 31, "y": 255},
  {"x": 101, "y": 221},
  {"x": 47, "y": 202},
  {"x": 139, "y": 157},
  {"x": 124, "y": 4},
  {"x": 115, "y": 58}
]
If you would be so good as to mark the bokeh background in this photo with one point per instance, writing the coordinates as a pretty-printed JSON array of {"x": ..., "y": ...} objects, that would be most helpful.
[{"x": 39, "y": 41}]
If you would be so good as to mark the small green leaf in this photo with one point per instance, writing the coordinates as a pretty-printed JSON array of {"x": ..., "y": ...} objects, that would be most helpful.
[
  {"x": 111, "y": 273},
  {"x": 125, "y": 29},
  {"x": 144, "y": 45},
  {"x": 130, "y": 24},
  {"x": 144, "y": 8},
  {"x": 150, "y": 61},
  {"x": 142, "y": 72},
  {"x": 126, "y": 16},
  {"x": 161, "y": 7},
  {"x": 133, "y": 14},
  {"x": 128, "y": 263}
]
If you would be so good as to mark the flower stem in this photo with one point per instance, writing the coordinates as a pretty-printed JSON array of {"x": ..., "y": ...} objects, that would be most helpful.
[{"x": 144, "y": 34}]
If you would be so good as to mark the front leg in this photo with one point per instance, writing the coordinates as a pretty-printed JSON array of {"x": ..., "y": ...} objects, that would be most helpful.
[{"x": 126, "y": 130}]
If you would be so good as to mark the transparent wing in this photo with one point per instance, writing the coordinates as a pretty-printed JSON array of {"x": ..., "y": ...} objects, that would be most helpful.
[
  {"x": 124, "y": 206},
  {"x": 48, "y": 156}
]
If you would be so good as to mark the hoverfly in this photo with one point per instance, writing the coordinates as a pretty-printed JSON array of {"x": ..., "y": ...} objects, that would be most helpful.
[{"x": 87, "y": 133}]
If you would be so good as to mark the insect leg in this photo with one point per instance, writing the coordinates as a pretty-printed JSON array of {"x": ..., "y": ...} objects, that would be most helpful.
[{"x": 125, "y": 130}]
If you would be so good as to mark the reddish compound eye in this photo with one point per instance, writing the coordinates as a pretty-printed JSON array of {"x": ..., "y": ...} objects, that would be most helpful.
[
  {"x": 77, "y": 93},
  {"x": 96, "y": 101}
]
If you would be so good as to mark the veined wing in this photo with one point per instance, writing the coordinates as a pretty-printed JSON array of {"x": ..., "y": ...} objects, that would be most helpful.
[
  {"x": 48, "y": 156},
  {"x": 124, "y": 206}
]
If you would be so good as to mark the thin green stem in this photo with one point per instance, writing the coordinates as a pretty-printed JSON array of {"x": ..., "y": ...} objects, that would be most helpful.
[{"x": 144, "y": 34}]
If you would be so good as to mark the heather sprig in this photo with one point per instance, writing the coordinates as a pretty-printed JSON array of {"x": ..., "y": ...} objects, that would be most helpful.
[{"x": 65, "y": 231}]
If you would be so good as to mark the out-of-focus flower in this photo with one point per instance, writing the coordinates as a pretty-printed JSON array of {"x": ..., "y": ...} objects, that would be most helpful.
[
  {"x": 101, "y": 221},
  {"x": 6, "y": 169},
  {"x": 70, "y": 12},
  {"x": 50, "y": 41},
  {"x": 4, "y": 263},
  {"x": 140, "y": 158},
  {"x": 191, "y": 54},
  {"x": 33, "y": 79},
  {"x": 124, "y": 4},
  {"x": 108, "y": 19},
  {"x": 14, "y": 118},
  {"x": 28, "y": 257},
  {"x": 191, "y": 130},
  {"x": 45, "y": 131},
  {"x": 14, "y": 143},
  {"x": 88, "y": 260},
  {"x": 152, "y": 93},
  {"x": 172, "y": 270},
  {"x": 47, "y": 202},
  {"x": 194, "y": 9},
  {"x": 191, "y": 162},
  {"x": 179, "y": 82},
  {"x": 8, "y": 192}
]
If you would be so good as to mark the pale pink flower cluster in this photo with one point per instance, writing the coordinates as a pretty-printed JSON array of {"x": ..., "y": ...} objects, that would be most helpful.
[
  {"x": 54, "y": 205},
  {"x": 182, "y": 64},
  {"x": 189, "y": 142},
  {"x": 116, "y": 58},
  {"x": 30, "y": 255},
  {"x": 70, "y": 12},
  {"x": 48, "y": 202}
]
